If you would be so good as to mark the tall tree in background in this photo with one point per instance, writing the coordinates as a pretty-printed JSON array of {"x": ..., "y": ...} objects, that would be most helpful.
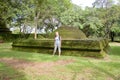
[
  {"x": 103, "y": 3},
  {"x": 83, "y": 19},
  {"x": 5, "y": 12},
  {"x": 45, "y": 8},
  {"x": 114, "y": 20},
  {"x": 29, "y": 10},
  {"x": 104, "y": 7},
  {"x": 72, "y": 17},
  {"x": 9, "y": 10}
]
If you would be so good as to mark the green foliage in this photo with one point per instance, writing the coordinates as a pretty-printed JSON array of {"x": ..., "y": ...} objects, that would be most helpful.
[
  {"x": 109, "y": 17},
  {"x": 47, "y": 9},
  {"x": 6, "y": 37},
  {"x": 103, "y": 3},
  {"x": 9, "y": 10},
  {"x": 31, "y": 12},
  {"x": 72, "y": 17},
  {"x": 98, "y": 21},
  {"x": 114, "y": 18},
  {"x": 83, "y": 19},
  {"x": 93, "y": 25}
]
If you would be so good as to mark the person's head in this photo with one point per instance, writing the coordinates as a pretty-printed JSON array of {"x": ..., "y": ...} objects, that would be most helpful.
[{"x": 57, "y": 33}]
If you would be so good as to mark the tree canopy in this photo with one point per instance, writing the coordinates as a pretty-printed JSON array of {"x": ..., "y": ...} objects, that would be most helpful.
[{"x": 97, "y": 21}]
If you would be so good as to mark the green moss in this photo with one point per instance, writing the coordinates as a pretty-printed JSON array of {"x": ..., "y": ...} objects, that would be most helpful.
[
  {"x": 87, "y": 47},
  {"x": 87, "y": 44}
]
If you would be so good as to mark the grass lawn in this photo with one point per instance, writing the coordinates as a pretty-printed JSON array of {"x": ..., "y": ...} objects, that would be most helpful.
[{"x": 18, "y": 65}]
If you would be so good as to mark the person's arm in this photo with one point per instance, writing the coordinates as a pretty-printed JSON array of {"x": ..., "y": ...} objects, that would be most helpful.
[
  {"x": 54, "y": 41},
  {"x": 60, "y": 40}
]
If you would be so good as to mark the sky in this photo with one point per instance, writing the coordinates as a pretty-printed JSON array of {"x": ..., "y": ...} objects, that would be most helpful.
[{"x": 83, "y": 3}]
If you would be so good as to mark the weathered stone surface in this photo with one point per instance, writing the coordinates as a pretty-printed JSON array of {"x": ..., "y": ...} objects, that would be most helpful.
[
  {"x": 68, "y": 33},
  {"x": 93, "y": 48}
]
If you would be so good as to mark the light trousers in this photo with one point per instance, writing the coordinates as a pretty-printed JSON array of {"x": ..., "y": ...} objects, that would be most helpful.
[{"x": 57, "y": 46}]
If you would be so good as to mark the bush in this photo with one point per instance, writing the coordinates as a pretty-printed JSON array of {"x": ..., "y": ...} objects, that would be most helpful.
[
  {"x": 5, "y": 30},
  {"x": 6, "y": 37},
  {"x": 1, "y": 39},
  {"x": 87, "y": 47}
]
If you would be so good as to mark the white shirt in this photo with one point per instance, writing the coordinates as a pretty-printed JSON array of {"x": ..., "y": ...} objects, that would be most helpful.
[{"x": 57, "y": 40}]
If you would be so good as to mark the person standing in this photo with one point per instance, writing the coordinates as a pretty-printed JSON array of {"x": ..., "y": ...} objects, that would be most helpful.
[{"x": 57, "y": 43}]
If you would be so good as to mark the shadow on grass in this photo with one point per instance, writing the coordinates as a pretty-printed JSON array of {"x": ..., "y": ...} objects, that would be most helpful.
[
  {"x": 8, "y": 52},
  {"x": 105, "y": 71},
  {"x": 8, "y": 73},
  {"x": 115, "y": 50},
  {"x": 117, "y": 41}
]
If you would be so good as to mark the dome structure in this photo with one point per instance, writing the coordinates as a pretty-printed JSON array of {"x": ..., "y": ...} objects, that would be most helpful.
[{"x": 67, "y": 32}]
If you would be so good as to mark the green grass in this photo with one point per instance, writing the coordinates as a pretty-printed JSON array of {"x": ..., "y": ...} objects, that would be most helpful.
[
  {"x": 83, "y": 68},
  {"x": 8, "y": 73}
]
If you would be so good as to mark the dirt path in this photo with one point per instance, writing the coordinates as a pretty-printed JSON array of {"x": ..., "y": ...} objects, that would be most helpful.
[
  {"x": 114, "y": 44},
  {"x": 49, "y": 69},
  {"x": 36, "y": 68},
  {"x": 17, "y": 63}
]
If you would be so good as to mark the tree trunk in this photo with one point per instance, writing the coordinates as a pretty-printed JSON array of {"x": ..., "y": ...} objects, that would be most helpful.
[
  {"x": 36, "y": 24},
  {"x": 35, "y": 34},
  {"x": 112, "y": 34},
  {"x": 24, "y": 27}
]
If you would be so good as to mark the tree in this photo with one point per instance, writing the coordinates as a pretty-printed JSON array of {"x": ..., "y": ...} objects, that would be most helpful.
[
  {"x": 9, "y": 10},
  {"x": 24, "y": 12},
  {"x": 45, "y": 8},
  {"x": 73, "y": 17},
  {"x": 5, "y": 13},
  {"x": 114, "y": 21},
  {"x": 104, "y": 7},
  {"x": 103, "y": 3},
  {"x": 84, "y": 19}
]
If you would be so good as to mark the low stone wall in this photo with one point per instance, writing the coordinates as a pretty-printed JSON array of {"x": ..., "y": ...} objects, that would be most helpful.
[{"x": 87, "y": 47}]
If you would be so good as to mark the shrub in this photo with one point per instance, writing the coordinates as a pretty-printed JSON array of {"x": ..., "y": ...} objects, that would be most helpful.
[
  {"x": 4, "y": 30},
  {"x": 1, "y": 39}
]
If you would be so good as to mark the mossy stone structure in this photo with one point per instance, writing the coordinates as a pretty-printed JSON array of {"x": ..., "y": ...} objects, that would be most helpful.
[
  {"x": 71, "y": 45},
  {"x": 69, "y": 33},
  {"x": 4, "y": 31},
  {"x": 3, "y": 28}
]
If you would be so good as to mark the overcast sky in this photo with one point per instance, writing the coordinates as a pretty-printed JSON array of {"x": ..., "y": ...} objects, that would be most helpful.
[{"x": 83, "y": 3}]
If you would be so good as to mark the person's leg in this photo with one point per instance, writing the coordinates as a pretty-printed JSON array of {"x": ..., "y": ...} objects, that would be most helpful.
[
  {"x": 55, "y": 48},
  {"x": 59, "y": 50}
]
